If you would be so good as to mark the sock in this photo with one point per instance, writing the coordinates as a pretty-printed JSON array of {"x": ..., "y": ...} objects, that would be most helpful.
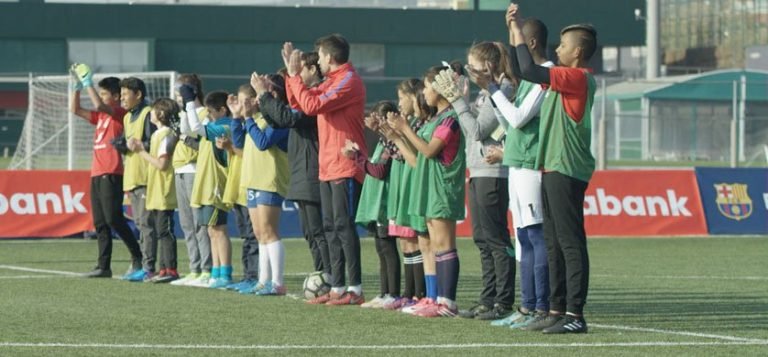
[
  {"x": 276, "y": 252},
  {"x": 357, "y": 289},
  {"x": 383, "y": 286},
  {"x": 419, "y": 282},
  {"x": 215, "y": 273},
  {"x": 226, "y": 272},
  {"x": 431, "y": 284},
  {"x": 448, "y": 273},
  {"x": 265, "y": 272},
  {"x": 408, "y": 267},
  {"x": 393, "y": 266}
]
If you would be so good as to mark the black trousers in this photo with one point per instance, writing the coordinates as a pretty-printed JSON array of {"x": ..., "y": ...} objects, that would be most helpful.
[
  {"x": 339, "y": 204},
  {"x": 488, "y": 205},
  {"x": 161, "y": 223},
  {"x": 563, "y": 200},
  {"x": 107, "y": 211},
  {"x": 311, "y": 219},
  {"x": 250, "y": 255}
]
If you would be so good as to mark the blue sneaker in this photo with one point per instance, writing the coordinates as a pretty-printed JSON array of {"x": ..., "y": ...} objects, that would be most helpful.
[
  {"x": 511, "y": 319},
  {"x": 241, "y": 284},
  {"x": 270, "y": 289},
  {"x": 252, "y": 289},
  {"x": 220, "y": 283},
  {"x": 137, "y": 276},
  {"x": 246, "y": 285}
]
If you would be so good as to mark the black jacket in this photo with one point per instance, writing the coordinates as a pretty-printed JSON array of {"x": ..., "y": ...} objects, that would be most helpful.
[{"x": 302, "y": 147}]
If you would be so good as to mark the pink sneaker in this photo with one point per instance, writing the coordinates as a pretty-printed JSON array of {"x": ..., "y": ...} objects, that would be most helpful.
[
  {"x": 423, "y": 303},
  {"x": 437, "y": 310}
]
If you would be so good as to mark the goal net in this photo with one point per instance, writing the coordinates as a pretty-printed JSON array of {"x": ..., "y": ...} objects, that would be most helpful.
[{"x": 54, "y": 139}]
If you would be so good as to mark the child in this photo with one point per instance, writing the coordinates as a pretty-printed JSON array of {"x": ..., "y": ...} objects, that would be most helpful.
[
  {"x": 184, "y": 164},
  {"x": 235, "y": 194},
  {"x": 302, "y": 156},
  {"x": 106, "y": 168},
  {"x": 488, "y": 183},
  {"x": 137, "y": 125},
  {"x": 161, "y": 192},
  {"x": 564, "y": 156},
  {"x": 521, "y": 122},
  {"x": 373, "y": 206},
  {"x": 440, "y": 172},
  {"x": 265, "y": 175},
  {"x": 210, "y": 181},
  {"x": 339, "y": 103}
]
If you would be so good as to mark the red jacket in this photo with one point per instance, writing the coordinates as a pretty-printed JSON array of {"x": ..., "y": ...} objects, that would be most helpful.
[{"x": 339, "y": 103}]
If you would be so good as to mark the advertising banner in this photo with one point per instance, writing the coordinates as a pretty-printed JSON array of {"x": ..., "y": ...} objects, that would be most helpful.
[{"x": 735, "y": 200}]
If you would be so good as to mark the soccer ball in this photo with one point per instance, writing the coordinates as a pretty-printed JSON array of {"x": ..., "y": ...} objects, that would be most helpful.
[{"x": 316, "y": 285}]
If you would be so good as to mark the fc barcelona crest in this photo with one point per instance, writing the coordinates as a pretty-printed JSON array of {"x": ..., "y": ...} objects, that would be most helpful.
[{"x": 733, "y": 200}]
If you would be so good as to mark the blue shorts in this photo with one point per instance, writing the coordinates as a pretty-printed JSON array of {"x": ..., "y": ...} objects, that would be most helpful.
[{"x": 263, "y": 198}]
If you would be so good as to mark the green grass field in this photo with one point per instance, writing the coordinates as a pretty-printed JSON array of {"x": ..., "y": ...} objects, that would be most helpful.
[{"x": 688, "y": 296}]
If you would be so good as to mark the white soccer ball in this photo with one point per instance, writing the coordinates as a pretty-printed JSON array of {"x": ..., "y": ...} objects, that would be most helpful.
[{"x": 316, "y": 285}]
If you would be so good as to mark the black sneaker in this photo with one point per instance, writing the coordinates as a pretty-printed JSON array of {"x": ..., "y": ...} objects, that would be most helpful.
[
  {"x": 98, "y": 273},
  {"x": 474, "y": 311},
  {"x": 499, "y": 311},
  {"x": 543, "y": 320},
  {"x": 569, "y": 324}
]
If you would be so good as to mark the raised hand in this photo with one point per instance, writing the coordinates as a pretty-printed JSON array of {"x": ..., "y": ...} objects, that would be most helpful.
[
  {"x": 396, "y": 122},
  {"x": 294, "y": 63},
  {"x": 259, "y": 83},
  {"x": 188, "y": 93},
  {"x": 235, "y": 106},
  {"x": 223, "y": 143},
  {"x": 371, "y": 121},
  {"x": 286, "y": 52},
  {"x": 446, "y": 84},
  {"x": 83, "y": 73}
]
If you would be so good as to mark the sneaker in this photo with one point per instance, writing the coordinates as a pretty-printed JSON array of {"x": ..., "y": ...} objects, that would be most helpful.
[
  {"x": 396, "y": 303},
  {"x": 246, "y": 285},
  {"x": 387, "y": 300},
  {"x": 437, "y": 310},
  {"x": 137, "y": 276},
  {"x": 373, "y": 303},
  {"x": 186, "y": 279},
  {"x": 161, "y": 274},
  {"x": 499, "y": 311},
  {"x": 220, "y": 283},
  {"x": 98, "y": 273},
  {"x": 320, "y": 300},
  {"x": 166, "y": 276},
  {"x": 542, "y": 321},
  {"x": 474, "y": 311},
  {"x": 511, "y": 319},
  {"x": 569, "y": 324},
  {"x": 348, "y": 298},
  {"x": 408, "y": 304},
  {"x": 270, "y": 289},
  {"x": 423, "y": 303},
  {"x": 130, "y": 272},
  {"x": 202, "y": 281},
  {"x": 148, "y": 276}
]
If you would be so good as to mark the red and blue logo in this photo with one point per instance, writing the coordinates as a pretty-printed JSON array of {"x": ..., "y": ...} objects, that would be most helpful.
[{"x": 733, "y": 200}]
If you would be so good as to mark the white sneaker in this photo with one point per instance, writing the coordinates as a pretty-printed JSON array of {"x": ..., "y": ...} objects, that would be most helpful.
[
  {"x": 186, "y": 280},
  {"x": 375, "y": 303},
  {"x": 386, "y": 301},
  {"x": 201, "y": 282}
]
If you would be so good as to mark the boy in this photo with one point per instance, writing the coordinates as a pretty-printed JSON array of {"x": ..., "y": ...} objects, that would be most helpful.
[
  {"x": 565, "y": 158},
  {"x": 106, "y": 168},
  {"x": 161, "y": 192},
  {"x": 339, "y": 104},
  {"x": 137, "y": 125},
  {"x": 210, "y": 181}
]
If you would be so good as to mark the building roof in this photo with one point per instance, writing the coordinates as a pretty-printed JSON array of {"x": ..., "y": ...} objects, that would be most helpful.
[{"x": 709, "y": 86}]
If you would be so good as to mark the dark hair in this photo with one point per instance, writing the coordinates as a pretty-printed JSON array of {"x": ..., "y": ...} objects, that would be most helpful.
[
  {"x": 168, "y": 111},
  {"x": 312, "y": 59},
  {"x": 335, "y": 45},
  {"x": 194, "y": 81},
  {"x": 136, "y": 85},
  {"x": 587, "y": 38},
  {"x": 415, "y": 87},
  {"x": 534, "y": 28},
  {"x": 432, "y": 72},
  {"x": 383, "y": 107},
  {"x": 278, "y": 86},
  {"x": 110, "y": 84},
  {"x": 457, "y": 67},
  {"x": 217, "y": 100}
]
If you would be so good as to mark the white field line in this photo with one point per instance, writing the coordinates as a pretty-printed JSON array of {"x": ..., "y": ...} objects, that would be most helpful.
[
  {"x": 683, "y": 277},
  {"x": 375, "y": 347},
  {"x": 3, "y": 277},
  {"x": 681, "y": 333},
  {"x": 46, "y": 271}
]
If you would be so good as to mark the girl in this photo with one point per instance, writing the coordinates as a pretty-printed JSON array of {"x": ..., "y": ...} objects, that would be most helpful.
[{"x": 439, "y": 176}]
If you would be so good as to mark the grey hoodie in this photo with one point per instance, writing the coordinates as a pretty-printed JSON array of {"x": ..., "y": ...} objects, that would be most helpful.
[{"x": 478, "y": 122}]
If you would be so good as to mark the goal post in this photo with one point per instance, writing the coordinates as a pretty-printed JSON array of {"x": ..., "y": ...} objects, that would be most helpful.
[{"x": 52, "y": 137}]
